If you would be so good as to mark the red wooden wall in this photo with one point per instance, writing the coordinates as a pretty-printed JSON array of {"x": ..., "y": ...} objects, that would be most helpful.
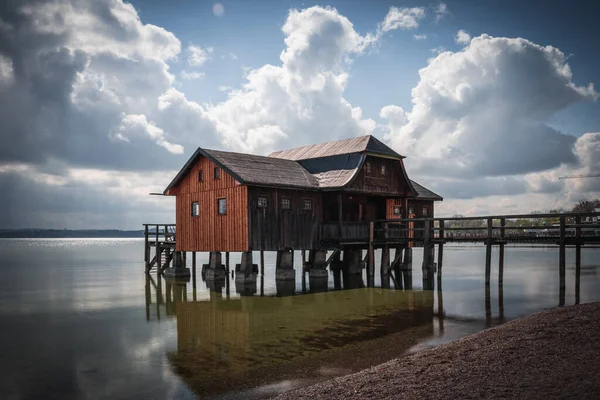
[{"x": 210, "y": 231}]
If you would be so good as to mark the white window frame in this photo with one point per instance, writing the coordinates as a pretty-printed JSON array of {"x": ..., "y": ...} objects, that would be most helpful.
[
  {"x": 195, "y": 209},
  {"x": 286, "y": 203},
  {"x": 224, "y": 212},
  {"x": 307, "y": 204},
  {"x": 262, "y": 202}
]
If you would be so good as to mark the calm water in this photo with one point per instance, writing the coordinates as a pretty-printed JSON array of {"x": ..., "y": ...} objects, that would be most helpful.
[{"x": 80, "y": 319}]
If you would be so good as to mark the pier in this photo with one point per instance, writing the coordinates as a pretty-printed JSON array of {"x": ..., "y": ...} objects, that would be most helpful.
[{"x": 350, "y": 247}]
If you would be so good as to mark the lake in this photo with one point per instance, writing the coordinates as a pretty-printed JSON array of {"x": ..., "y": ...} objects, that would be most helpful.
[{"x": 80, "y": 319}]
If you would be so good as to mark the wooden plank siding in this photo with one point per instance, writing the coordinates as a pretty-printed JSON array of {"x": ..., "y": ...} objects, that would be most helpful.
[
  {"x": 375, "y": 182},
  {"x": 391, "y": 204},
  {"x": 210, "y": 231},
  {"x": 272, "y": 228}
]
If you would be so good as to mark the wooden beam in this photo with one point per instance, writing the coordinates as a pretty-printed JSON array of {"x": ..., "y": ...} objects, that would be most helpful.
[{"x": 371, "y": 255}]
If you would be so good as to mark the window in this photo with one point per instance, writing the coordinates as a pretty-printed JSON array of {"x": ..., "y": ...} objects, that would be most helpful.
[
  {"x": 195, "y": 209},
  {"x": 200, "y": 176},
  {"x": 411, "y": 210},
  {"x": 368, "y": 167},
  {"x": 307, "y": 204},
  {"x": 286, "y": 204},
  {"x": 262, "y": 202},
  {"x": 383, "y": 170},
  {"x": 222, "y": 206},
  {"x": 424, "y": 211},
  {"x": 217, "y": 173},
  {"x": 397, "y": 210}
]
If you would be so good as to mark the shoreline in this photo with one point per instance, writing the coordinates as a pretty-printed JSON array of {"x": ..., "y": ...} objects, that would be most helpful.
[{"x": 551, "y": 354}]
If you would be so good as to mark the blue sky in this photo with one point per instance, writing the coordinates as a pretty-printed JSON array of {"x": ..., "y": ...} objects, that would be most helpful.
[
  {"x": 103, "y": 101},
  {"x": 252, "y": 31}
]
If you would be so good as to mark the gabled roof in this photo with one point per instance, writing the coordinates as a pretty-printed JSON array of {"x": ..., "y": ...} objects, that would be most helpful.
[
  {"x": 249, "y": 169},
  {"x": 362, "y": 144},
  {"x": 334, "y": 171},
  {"x": 424, "y": 193}
]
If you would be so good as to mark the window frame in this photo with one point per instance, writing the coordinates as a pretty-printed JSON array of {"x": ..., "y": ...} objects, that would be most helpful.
[
  {"x": 383, "y": 170},
  {"x": 217, "y": 173},
  {"x": 368, "y": 168},
  {"x": 398, "y": 209},
  {"x": 197, "y": 204},
  {"x": 258, "y": 202},
  {"x": 289, "y": 203},
  {"x": 200, "y": 175},
  {"x": 219, "y": 206},
  {"x": 411, "y": 210},
  {"x": 306, "y": 202},
  {"x": 425, "y": 211}
]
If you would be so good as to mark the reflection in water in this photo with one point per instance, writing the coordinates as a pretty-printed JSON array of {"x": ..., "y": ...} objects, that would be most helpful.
[
  {"x": 109, "y": 330},
  {"x": 232, "y": 344}
]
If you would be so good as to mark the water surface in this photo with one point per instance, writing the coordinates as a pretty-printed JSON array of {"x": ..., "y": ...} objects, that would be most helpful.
[{"x": 80, "y": 319}]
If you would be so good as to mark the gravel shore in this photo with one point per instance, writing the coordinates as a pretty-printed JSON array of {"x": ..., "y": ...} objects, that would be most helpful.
[{"x": 551, "y": 354}]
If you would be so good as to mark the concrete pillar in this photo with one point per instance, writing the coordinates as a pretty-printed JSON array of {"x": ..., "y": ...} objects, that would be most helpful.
[
  {"x": 245, "y": 272},
  {"x": 317, "y": 284},
  {"x": 215, "y": 268},
  {"x": 285, "y": 287},
  {"x": 353, "y": 262},
  {"x": 177, "y": 270},
  {"x": 317, "y": 260},
  {"x": 284, "y": 265},
  {"x": 248, "y": 288}
]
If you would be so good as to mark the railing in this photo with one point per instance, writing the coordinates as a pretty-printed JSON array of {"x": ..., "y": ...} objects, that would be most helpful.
[{"x": 500, "y": 227}]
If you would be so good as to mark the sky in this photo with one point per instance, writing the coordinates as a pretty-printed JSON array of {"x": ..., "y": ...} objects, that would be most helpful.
[{"x": 102, "y": 102}]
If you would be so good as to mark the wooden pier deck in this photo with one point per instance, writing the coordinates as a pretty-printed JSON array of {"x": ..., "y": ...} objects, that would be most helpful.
[{"x": 562, "y": 230}]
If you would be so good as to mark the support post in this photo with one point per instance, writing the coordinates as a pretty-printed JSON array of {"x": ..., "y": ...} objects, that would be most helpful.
[
  {"x": 146, "y": 248},
  {"x": 317, "y": 265},
  {"x": 562, "y": 259},
  {"x": 407, "y": 262},
  {"x": 340, "y": 214},
  {"x": 227, "y": 261},
  {"x": 440, "y": 248},
  {"x": 215, "y": 270},
  {"x": 501, "y": 252},
  {"x": 385, "y": 260},
  {"x": 284, "y": 266},
  {"x": 488, "y": 252},
  {"x": 245, "y": 271},
  {"x": 262, "y": 262},
  {"x": 371, "y": 256}
]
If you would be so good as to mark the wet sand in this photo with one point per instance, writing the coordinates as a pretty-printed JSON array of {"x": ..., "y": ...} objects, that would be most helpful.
[{"x": 551, "y": 354}]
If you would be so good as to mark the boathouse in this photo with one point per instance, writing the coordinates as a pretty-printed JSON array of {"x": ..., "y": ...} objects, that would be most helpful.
[
  {"x": 318, "y": 197},
  {"x": 301, "y": 198}
]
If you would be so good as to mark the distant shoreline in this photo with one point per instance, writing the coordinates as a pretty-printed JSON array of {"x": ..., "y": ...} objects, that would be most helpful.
[{"x": 68, "y": 233}]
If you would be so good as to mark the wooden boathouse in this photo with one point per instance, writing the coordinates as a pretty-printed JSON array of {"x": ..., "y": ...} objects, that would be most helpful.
[{"x": 316, "y": 198}]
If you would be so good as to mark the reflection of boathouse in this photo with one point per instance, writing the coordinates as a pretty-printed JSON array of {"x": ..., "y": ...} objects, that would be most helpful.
[{"x": 224, "y": 344}]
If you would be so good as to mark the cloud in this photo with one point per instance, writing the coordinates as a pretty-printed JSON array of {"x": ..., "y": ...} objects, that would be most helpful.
[
  {"x": 138, "y": 125},
  {"x": 480, "y": 124},
  {"x": 420, "y": 37},
  {"x": 441, "y": 11},
  {"x": 297, "y": 102},
  {"x": 218, "y": 9},
  {"x": 191, "y": 75},
  {"x": 494, "y": 97},
  {"x": 68, "y": 80},
  {"x": 462, "y": 37},
  {"x": 197, "y": 56},
  {"x": 402, "y": 18}
]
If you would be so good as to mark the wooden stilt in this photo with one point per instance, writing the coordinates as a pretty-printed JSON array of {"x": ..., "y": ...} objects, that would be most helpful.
[
  {"x": 371, "y": 256},
  {"x": 262, "y": 262},
  {"x": 440, "y": 248},
  {"x": 501, "y": 252},
  {"x": 488, "y": 252},
  {"x": 562, "y": 260}
]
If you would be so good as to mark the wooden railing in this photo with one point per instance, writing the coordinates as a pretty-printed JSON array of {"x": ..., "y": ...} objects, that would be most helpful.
[{"x": 481, "y": 229}]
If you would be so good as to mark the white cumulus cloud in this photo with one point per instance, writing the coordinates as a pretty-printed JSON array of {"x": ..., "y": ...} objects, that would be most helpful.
[{"x": 462, "y": 37}]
